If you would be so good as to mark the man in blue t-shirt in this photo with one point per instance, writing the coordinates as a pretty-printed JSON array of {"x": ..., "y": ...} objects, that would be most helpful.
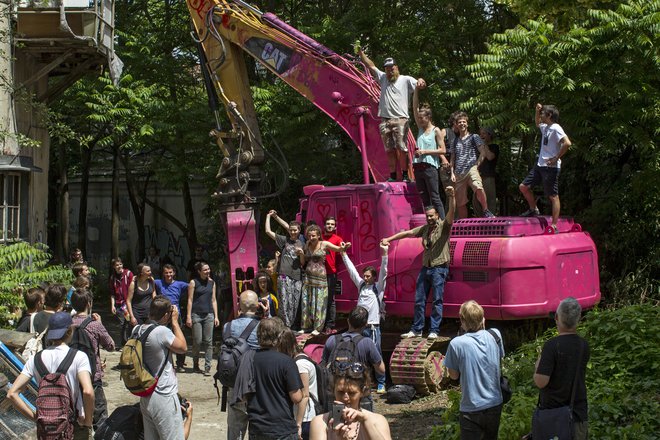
[
  {"x": 474, "y": 358},
  {"x": 175, "y": 291}
]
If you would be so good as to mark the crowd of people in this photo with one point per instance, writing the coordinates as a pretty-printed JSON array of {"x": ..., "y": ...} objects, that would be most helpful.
[
  {"x": 295, "y": 294},
  {"x": 472, "y": 158}
]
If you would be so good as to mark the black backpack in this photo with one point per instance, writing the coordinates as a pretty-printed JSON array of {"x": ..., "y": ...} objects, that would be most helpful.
[
  {"x": 322, "y": 402},
  {"x": 231, "y": 351},
  {"x": 345, "y": 349},
  {"x": 382, "y": 313},
  {"x": 125, "y": 423},
  {"x": 82, "y": 342}
]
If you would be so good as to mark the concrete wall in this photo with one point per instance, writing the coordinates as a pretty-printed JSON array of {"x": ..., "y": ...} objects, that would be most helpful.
[{"x": 158, "y": 231}]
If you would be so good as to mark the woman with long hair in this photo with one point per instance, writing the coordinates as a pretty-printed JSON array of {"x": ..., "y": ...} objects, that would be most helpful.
[
  {"x": 315, "y": 287},
  {"x": 202, "y": 315},
  {"x": 347, "y": 421},
  {"x": 140, "y": 293}
]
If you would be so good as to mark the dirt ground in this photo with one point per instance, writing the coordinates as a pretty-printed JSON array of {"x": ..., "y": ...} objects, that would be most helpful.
[{"x": 412, "y": 421}]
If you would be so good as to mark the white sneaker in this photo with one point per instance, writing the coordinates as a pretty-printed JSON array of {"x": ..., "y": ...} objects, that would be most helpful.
[
  {"x": 411, "y": 334},
  {"x": 315, "y": 333},
  {"x": 432, "y": 335}
]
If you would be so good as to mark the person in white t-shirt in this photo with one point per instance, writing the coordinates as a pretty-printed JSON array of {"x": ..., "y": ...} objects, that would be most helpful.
[
  {"x": 78, "y": 376},
  {"x": 554, "y": 144},
  {"x": 395, "y": 93}
]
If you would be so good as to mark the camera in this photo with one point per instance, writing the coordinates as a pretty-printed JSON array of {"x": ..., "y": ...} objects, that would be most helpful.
[
  {"x": 260, "y": 310},
  {"x": 184, "y": 407},
  {"x": 338, "y": 413}
]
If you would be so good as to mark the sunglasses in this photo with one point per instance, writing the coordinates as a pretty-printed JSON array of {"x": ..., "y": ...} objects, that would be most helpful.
[{"x": 353, "y": 370}]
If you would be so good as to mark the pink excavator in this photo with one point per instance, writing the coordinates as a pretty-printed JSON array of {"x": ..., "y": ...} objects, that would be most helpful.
[{"x": 515, "y": 267}]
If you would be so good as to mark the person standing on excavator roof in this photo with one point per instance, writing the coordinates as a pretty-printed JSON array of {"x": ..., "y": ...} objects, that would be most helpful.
[{"x": 395, "y": 93}]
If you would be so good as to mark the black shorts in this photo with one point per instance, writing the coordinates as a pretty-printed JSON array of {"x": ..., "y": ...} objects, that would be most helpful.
[{"x": 548, "y": 176}]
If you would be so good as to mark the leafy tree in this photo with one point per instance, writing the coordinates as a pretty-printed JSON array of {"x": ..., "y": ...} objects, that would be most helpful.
[
  {"x": 602, "y": 75},
  {"x": 22, "y": 267}
]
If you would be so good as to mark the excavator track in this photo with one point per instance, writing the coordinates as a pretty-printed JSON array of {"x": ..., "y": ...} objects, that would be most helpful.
[{"x": 418, "y": 362}]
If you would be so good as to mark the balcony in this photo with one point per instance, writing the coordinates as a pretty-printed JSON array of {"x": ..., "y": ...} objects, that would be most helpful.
[{"x": 68, "y": 39}]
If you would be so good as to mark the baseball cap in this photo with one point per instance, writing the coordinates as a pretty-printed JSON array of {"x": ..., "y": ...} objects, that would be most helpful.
[
  {"x": 58, "y": 324},
  {"x": 389, "y": 62}
]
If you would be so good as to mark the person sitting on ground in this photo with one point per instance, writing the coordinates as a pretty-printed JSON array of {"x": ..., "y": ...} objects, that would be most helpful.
[
  {"x": 370, "y": 295},
  {"x": 78, "y": 376},
  {"x": 34, "y": 303},
  {"x": 81, "y": 300},
  {"x": 366, "y": 351},
  {"x": 350, "y": 384},
  {"x": 53, "y": 302},
  {"x": 277, "y": 387}
]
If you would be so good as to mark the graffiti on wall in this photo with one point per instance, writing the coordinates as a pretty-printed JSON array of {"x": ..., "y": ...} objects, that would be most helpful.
[{"x": 170, "y": 245}]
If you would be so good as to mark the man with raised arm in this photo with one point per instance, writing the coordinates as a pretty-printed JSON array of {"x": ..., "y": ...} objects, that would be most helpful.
[
  {"x": 435, "y": 265},
  {"x": 554, "y": 144},
  {"x": 395, "y": 91}
]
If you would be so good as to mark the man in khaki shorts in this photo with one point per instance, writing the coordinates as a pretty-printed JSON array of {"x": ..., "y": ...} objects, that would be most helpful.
[
  {"x": 395, "y": 92},
  {"x": 467, "y": 153}
]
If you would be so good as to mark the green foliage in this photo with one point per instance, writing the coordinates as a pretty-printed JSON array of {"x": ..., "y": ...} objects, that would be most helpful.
[
  {"x": 23, "y": 266},
  {"x": 602, "y": 74},
  {"x": 623, "y": 376}
]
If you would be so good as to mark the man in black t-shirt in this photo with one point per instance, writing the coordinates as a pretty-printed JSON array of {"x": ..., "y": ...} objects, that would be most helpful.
[
  {"x": 561, "y": 359},
  {"x": 277, "y": 387}
]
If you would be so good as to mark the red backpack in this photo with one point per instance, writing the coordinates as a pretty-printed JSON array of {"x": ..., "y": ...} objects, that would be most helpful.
[{"x": 55, "y": 407}]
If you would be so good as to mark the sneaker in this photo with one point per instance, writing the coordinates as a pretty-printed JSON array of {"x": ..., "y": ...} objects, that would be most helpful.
[
  {"x": 432, "y": 335},
  {"x": 315, "y": 333},
  {"x": 381, "y": 389},
  {"x": 411, "y": 334},
  {"x": 531, "y": 212},
  {"x": 301, "y": 332},
  {"x": 554, "y": 228},
  {"x": 180, "y": 369},
  {"x": 391, "y": 179},
  {"x": 488, "y": 214},
  {"x": 196, "y": 369},
  {"x": 207, "y": 372}
]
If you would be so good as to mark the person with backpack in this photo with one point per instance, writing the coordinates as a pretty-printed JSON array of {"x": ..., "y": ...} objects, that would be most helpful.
[
  {"x": 312, "y": 402},
  {"x": 96, "y": 336},
  {"x": 65, "y": 400},
  {"x": 160, "y": 410},
  {"x": 351, "y": 346},
  {"x": 53, "y": 302},
  {"x": 474, "y": 358},
  {"x": 237, "y": 418},
  {"x": 34, "y": 303},
  {"x": 371, "y": 297}
]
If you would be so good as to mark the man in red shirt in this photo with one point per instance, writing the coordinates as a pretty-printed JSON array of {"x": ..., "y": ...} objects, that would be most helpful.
[
  {"x": 331, "y": 270},
  {"x": 120, "y": 279}
]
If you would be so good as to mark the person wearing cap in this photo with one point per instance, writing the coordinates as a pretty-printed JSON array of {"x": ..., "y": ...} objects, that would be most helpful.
[
  {"x": 395, "y": 93},
  {"x": 488, "y": 173},
  {"x": 78, "y": 376}
]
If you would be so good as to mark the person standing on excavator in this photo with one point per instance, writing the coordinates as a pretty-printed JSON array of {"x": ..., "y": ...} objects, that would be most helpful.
[
  {"x": 395, "y": 92},
  {"x": 435, "y": 265}
]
